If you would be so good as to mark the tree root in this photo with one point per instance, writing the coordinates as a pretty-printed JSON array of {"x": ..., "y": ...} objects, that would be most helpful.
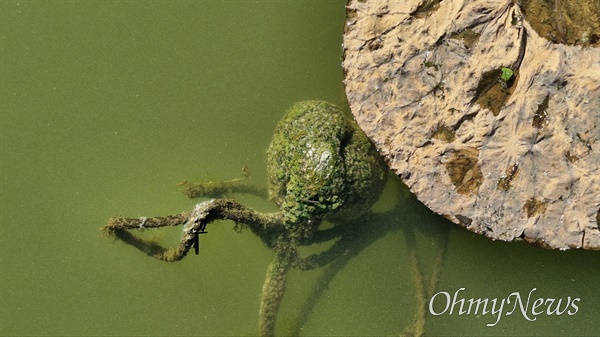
[
  {"x": 271, "y": 229},
  {"x": 422, "y": 293},
  {"x": 264, "y": 225},
  {"x": 274, "y": 286},
  {"x": 222, "y": 188}
]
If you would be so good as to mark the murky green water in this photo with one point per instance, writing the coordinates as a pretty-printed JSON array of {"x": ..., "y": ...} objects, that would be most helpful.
[{"x": 106, "y": 105}]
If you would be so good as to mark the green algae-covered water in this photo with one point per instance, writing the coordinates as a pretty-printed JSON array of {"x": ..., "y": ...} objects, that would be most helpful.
[{"x": 105, "y": 106}]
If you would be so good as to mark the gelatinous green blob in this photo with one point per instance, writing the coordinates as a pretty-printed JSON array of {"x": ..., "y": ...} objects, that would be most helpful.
[{"x": 321, "y": 165}]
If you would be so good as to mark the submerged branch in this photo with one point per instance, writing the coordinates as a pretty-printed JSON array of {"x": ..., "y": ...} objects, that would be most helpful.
[
  {"x": 220, "y": 189},
  {"x": 274, "y": 286},
  {"x": 265, "y": 226}
]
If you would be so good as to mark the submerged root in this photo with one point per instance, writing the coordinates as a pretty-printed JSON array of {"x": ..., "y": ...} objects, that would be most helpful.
[
  {"x": 119, "y": 223},
  {"x": 118, "y": 227},
  {"x": 423, "y": 292},
  {"x": 221, "y": 189},
  {"x": 264, "y": 225},
  {"x": 274, "y": 286}
]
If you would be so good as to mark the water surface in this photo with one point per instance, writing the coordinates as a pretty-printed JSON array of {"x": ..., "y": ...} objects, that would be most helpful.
[{"x": 106, "y": 106}]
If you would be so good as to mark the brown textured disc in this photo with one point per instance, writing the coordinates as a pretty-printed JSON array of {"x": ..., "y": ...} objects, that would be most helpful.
[{"x": 489, "y": 124}]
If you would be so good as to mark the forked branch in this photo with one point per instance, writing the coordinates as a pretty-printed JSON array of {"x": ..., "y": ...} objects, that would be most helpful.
[{"x": 266, "y": 226}]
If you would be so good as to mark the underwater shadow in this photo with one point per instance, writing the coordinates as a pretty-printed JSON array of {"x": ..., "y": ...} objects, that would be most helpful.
[{"x": 409, "y": 216}]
